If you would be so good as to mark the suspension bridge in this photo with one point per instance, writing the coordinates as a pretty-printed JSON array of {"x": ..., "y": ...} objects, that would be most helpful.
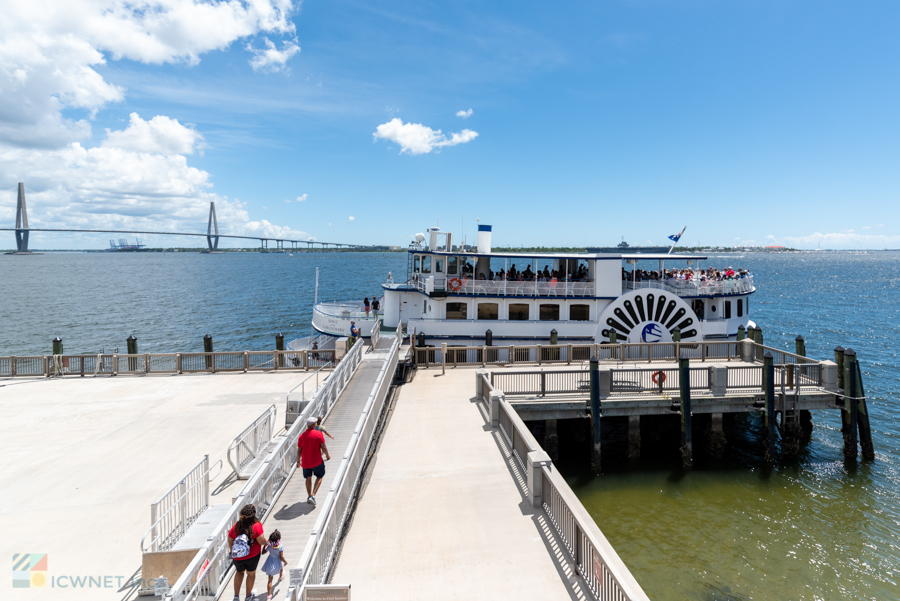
[{"x": 212, "y": 234}]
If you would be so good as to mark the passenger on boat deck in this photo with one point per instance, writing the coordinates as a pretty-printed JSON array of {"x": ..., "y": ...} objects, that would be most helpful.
[
  {"x": 375, "y": 305},
  {"x": 366, "y": 304},
  {"x": 480, "y": 276},
  {"x": 546, "y": 272}
]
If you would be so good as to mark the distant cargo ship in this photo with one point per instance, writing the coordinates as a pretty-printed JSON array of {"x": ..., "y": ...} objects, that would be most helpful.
[
  {"x": 623, "y": 247},
  {"x": 123, "y": 246}
]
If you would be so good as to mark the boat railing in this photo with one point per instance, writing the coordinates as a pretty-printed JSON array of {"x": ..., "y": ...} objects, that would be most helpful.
[
  {"x": 603, "y": 571},
  {"x": 694, "y": 287},
  {"x": 469, "y": 286}
]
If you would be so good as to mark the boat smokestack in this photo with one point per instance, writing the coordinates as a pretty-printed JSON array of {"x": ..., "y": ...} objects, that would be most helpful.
[{"x": 484, "y": 238}]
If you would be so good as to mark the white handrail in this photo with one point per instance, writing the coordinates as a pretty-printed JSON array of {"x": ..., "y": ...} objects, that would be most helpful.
[
  {"x": 318, "y": 554},
  {"x": 179, "y": 503},
  {"x": 262, "y": 489},
  {"x": 247, "y": 452}
]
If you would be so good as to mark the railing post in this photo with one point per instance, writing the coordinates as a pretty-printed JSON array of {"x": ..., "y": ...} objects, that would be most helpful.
[
  {"x": 539, "y": 354},
  {"x": 155, "y": 528},
  {"x": 146, "y": 363},
  {"x": 497, "y": 397},
  {"x": 178, "y": 363},
  {"x": 535, "y": 462},
  {"x": 512, "y": 358},
  {"x": 182, "y": 505},
  {"x": 246, "y": 361},
  {"x": 115, "y": 366},
  {"x": 12, "y": 366},
  {"x": 206, "y": 480},
  {"x": 275, "y": 359}
]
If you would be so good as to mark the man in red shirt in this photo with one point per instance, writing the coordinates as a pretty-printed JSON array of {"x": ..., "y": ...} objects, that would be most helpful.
[{"x": 310, "y": 447}]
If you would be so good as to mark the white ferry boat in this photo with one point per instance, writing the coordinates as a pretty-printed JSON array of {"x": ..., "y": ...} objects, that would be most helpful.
[{"x": 483, "y": 297}]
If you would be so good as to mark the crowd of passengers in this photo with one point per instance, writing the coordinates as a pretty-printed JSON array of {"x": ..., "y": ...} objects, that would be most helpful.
[
  {"x": 704, "y": 275},
  {"x": 544, "y": 275}
]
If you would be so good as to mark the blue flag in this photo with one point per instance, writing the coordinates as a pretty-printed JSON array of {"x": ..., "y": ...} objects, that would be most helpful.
[{"x": 675, "y": 237}]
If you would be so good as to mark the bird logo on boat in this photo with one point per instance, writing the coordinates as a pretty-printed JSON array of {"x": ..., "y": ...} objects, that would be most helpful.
[{"x": 652, "y": 332}]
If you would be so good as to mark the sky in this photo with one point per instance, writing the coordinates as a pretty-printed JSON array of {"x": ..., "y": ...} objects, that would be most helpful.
[{"x": 560, "y": 124}]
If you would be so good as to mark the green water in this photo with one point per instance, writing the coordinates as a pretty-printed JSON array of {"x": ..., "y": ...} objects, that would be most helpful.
[{"x": 818, "y": 528}]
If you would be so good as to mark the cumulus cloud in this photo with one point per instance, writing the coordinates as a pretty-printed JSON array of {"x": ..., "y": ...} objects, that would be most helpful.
[
  {"x": 298, "y": 199},
  {"x": 464, "y": 114},
  {"x": 159, "y": 135},
  {"x": 50, "y": 53},
  {"x": 51, "y": 86},
  {"x": 415, "y": 138},
  {"x": 350, "y": 218},
  {"x": 271, "y": 58}
]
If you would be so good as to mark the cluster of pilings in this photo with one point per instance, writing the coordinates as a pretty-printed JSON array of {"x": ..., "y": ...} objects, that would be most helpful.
[{"x": 796, "y": 424}]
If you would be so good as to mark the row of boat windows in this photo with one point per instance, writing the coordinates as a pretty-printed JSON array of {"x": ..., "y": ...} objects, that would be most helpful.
[
  {"x": 698, "y": 307},
  {"x": 452, "y": 265},
  {"x": 518, "y": 312}
]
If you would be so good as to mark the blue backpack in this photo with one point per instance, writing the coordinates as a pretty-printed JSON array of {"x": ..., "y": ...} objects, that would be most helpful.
[{"x": 241, "y": 547}]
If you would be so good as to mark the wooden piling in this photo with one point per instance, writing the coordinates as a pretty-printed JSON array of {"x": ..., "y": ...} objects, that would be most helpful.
[
  {"x": 595, "y": 413},
  {"x": 687, "y": 444},
  {"x": 741, "y": 333},
  {"x": 279, "y": 346},
  {"x": 839, "y": 360},
  {"x": 57, "y": 346},
  {"x": 132, "y": 346},
  {"x": 634, "y": 436},
  {"x": 208, "y": 349},
  {"x": 800, "y": 346},
  {"x": 717, "y": 439},
  {"x": 769, "y": 388},
  {"x": 865, "y": 430},
  {"x": 851, "y": 411},
  {"x": 551, "y": 439}
]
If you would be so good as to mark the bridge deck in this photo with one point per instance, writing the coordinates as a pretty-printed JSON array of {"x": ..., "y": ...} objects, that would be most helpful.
[
  {"x": 444, "y": 515},
  {"x": 294, "y": 517}
]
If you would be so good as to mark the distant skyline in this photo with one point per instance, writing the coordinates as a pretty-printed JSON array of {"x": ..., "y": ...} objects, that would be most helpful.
[{"x": 761, "y": 123}]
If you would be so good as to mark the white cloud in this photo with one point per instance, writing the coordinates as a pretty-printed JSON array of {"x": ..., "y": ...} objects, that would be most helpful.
[
  {"x": 330, "y": 224},
  {"x": 271, "y": 58},
  {"x": 299, "y": 199},
  {"x": 159, "y": 135},
  {"x": 50, "y": 52},
  {"x": 415, "y": 138},
  {"x": 464, "y": 114},
  {"x": 351, "y": 218}
]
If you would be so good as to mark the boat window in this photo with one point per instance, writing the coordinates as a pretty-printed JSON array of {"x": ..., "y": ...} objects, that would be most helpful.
[
  {"x": 438, "y": 265},
  {"x": 740, "y": 307},
  {"x": 452, "y": 265},
  {"x": 518, "y": 312},
  {"x": 426, "y": 264},
  {"x": 488, "y": 311},
  {"x": 579, "y": 312},
  {"x": 697, "y": 306},
  {"x": 456, "y": 310},
  {"x": 728, "y": 309},
  {"x": 416, "y": 264},
  {"x": 549, "y": 312}
]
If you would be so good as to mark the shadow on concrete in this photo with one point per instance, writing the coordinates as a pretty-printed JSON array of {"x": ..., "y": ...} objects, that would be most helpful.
[{"x": 296, "y": 510}]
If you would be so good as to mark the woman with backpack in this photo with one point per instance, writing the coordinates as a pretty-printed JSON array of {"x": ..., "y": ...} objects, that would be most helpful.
[{"x": 245, "y": 542}]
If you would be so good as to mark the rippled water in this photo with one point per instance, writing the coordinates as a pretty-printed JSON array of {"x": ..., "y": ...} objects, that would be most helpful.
[{"x": 816, "y": 529}]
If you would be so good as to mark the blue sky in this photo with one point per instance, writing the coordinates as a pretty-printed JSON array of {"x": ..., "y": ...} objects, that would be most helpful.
[{"x": 749, "y": 122}]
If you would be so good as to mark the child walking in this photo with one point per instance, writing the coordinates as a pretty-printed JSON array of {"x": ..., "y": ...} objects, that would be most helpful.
[
  {"x": 275, "y": 562},
  {"x": 322, "y": 429}
]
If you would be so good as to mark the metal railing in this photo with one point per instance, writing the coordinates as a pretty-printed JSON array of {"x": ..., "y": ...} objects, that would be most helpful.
[
  {"x": 209, "y": 569},
  {"x": 317, "y": 558},
  {"x": 163, "y": 363},
  {"x": 179, "y": 508},
  {"x": 695, "y": 287},
  {"x": 605, "y": 574},
  {"x": 376, "y": 334},
  {"x": 572, "y": 353},
  {"x": 304, "y": 393},
  {"x": 247, "y": 445}
]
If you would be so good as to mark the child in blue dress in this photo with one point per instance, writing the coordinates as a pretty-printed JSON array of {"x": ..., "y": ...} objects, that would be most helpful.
[{"x": 275, "y": 561}]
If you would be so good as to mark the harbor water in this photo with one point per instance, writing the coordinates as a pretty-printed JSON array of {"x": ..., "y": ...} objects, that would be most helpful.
[{"x": 817, "y": 529}]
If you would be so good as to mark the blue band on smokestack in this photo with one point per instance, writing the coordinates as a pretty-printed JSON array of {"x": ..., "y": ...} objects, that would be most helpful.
[{"x": 484, "y": 228}]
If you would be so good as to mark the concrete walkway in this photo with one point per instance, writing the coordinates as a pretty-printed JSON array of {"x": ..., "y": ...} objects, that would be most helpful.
[
  {"x": 83, "y": 458},
  {"x": 444, "y": 515}
]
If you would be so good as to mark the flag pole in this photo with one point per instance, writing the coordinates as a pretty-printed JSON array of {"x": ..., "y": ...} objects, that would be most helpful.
[{"x": 676, "y": 240}]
